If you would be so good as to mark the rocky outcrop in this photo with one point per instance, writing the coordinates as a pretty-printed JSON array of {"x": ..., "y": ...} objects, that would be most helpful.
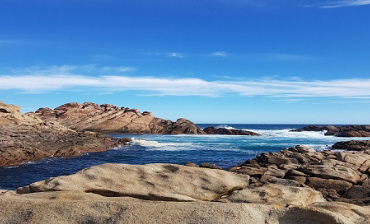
[
  {"x": 25, "y": 137},
  {"x": 167, "y": 193},
  {"x": 110, "y": 118},
  {"x": 339, "y": 176},
  {"x": 339, "y": 131},
  {"x": 228, "y": 131},
  {"x": 163, "y": 182},
  {"x": 353, "y": 145}
]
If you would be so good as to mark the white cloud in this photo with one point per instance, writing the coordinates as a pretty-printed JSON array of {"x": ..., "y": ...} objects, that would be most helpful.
[
  {"x": 218, "y": 54},
  {"x": 284, "y": 57},
  {"x": 103, "y": 57},
  {"x": 342, "y": 3},
  {"x": 175, "y": 55},
  {"x": 118, "y": 69},
  {"x": 272, "y": 87}
]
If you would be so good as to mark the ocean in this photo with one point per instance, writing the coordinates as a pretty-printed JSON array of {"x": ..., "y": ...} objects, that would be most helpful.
[{"x": 222, "y": 150}]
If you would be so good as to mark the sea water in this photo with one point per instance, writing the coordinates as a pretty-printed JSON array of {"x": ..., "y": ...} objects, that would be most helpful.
[{"x": 222, "y": 150}]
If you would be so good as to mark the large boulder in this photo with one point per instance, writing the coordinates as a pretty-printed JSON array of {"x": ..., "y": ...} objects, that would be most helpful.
[{"x": 165, "y": 182}]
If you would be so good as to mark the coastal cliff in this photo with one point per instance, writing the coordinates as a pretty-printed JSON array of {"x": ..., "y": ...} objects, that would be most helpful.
[
  {"x": 110, "y": 118},
  {"x": 25, "y": 137}
]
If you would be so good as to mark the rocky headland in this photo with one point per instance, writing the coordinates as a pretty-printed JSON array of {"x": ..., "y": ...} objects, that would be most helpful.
[
  {"x": 228, "y": 131},
  {"x": 109, "y": 118},
  {"x": 25, "y": 137},
  {"x": 339, "y": 131}
]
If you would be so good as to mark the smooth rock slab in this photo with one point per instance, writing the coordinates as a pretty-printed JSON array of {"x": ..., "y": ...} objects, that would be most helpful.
[
  {"x": 164, "y": 182},
  {"x": 278, "y": 195}
]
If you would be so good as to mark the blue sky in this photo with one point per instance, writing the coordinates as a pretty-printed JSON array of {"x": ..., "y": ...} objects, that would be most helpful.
[{"x": 211, "y": 61}]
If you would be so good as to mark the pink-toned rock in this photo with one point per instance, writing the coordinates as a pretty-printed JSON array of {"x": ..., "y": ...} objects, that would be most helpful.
[{"x": 110, "y": 118}]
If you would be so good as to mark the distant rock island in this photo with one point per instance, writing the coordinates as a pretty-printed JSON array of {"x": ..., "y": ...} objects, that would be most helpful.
[
  {"x": 339, "y": 131},
  {"x": 228, "y": 131}
]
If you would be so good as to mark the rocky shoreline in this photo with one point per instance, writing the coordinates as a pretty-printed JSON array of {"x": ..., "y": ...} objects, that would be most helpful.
[
  {"x": 74, "y": 129},
  {"x": 294, "y": 185},
  {"x": 25, "y": 137},
  {"x": 339, "y": 131}
]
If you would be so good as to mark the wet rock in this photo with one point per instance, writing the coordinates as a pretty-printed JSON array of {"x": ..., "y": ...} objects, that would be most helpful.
[
  {"x": 354, "y": 145},
  {"x": 210, "y": 166},
  {"x": 228, "y": 131}
]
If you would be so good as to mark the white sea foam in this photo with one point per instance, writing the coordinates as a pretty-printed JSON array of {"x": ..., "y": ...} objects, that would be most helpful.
[
  {"x": 155, "y": 144},
  {"x": 225, "y": 126},
  {"x": 319, "y": 148},
  {"x": 286, "y": 133}
]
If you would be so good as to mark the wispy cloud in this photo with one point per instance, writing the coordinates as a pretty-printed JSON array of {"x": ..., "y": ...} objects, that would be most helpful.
[
  {"x": 72, "y": 69},
  {"x": 118, "y": 69},
  {"x": 40, "y": 82},
  {"x": 103, "y": 57},
  {"x": 284, "y": 57},
  {"x": 218, "y": 54},
  {"x": 175, "y": 55},
  {"x": 342, "y": 3}
]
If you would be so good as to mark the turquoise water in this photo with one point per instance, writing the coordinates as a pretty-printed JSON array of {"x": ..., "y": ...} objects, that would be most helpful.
[{"x": 222, "y": 150}]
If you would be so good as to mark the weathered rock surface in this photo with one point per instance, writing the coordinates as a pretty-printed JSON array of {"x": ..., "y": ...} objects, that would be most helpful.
[
  {"x": 92, "y": 196},
  {"x": 25, "y": 137},
  {"x": 228, "y": 131},
  {"x": 277, "y": 194},
  {"x": 165, "y": 182},
  {"x": 339, "y": 131},
  {"x": 340, "y": 176},
  {"x": 109, "y": 118}
]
